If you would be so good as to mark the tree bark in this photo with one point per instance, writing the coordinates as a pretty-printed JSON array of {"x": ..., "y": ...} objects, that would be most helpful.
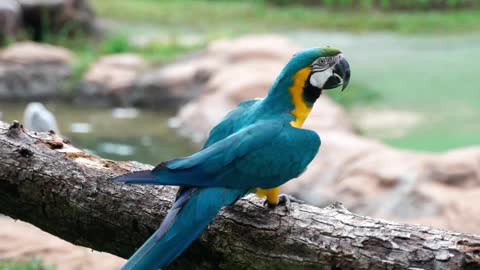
[{"x": 48, "y": 182}]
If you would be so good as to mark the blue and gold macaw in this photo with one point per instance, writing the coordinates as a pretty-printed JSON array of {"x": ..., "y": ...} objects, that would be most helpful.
[{"x": 258, "y": 146}]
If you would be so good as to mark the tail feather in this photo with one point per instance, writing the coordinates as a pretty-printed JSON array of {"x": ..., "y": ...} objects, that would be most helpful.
[
  {"x": 162, "y": 175},
  {"x": 141, "y": 256},
  {"x": 189, "y": 216},
  {"x": 139, "y": 177}
]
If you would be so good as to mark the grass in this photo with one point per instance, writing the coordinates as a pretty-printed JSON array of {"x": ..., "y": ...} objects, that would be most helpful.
[
  {"x": 32, "y": 265},
  {"x": 385, "y": 4},
  {"x": 257, "y": 16}
]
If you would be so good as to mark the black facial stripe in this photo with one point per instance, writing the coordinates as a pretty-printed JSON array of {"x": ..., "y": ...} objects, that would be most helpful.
[
  {"x": 317, "y": 69},
  {"x": 310, "y": 92}
]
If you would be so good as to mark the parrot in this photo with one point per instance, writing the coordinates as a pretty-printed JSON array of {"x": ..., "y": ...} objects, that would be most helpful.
[{"x": 257, "y": 147}]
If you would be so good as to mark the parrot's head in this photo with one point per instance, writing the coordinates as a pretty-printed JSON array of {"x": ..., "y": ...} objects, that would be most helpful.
[
  {"x": 303, "y": 79},
  {"x": 326, "y": 67}
]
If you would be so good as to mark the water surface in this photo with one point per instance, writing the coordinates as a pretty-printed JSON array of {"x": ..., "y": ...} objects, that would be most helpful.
[{"x": 115, "y": 134}]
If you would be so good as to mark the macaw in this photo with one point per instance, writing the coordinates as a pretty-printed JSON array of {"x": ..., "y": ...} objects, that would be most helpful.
[{"x": 259, "y": 146}]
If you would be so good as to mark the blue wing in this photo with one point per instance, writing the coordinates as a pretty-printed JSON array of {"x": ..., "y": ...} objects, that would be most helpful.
[
  {"x": 265, "y": 155},
  {"x": 232, "y": 122}
]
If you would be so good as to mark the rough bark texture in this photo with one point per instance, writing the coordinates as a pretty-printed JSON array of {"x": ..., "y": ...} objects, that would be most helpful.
[{"x": 53, "y": 185}]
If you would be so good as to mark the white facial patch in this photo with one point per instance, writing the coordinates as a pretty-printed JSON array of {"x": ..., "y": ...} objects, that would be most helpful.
[{"x": 318, "y": 79}]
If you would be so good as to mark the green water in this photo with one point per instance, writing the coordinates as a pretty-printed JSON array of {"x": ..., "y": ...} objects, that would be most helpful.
[
  {"x": 145, "y": 138},
  {"x": 433, "y": 77}
]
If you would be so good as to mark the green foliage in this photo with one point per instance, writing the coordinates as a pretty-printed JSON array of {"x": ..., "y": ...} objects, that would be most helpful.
[
  {"x": 452, "y": 3},
  {"x": 329, "y": 3},
  {"x": 5, "y": 42},
  {"x": 412, "y": 5},
  {"x": 117, "y": 43},
  {"x": 385, "y": 4},
  {"x": 345, "y": 3},
  {"x": 236, "y": 17},
  {"x": 366, "y": 4},
  {"x": 83, "y": 60},
  {"x": 32, "y": 265}
]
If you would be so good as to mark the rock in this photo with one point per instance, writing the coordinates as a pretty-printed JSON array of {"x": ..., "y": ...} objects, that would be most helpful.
[
  {"x": 42, "y": 17},
  {"x": 239, "y": 83},
  {"x": 370, "y": 178},
  {"x": 30, "y": 53},
  {"x": 170, "y": 86},
  {"x": 38, "y": 118},
  {"x": 30, "y": 71},
  {"x": 10, "y": 13},
  {"x": 110, "y": 80},
  {"x": 386, "y": 123},
  {"x": 254, "y": 47},
  {"x": 367, "y": 176},
  {"x": 175, "y": 84}
]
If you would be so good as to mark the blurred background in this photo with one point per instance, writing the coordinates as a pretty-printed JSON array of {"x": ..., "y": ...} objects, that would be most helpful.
[{"x": 145, "y": 80}]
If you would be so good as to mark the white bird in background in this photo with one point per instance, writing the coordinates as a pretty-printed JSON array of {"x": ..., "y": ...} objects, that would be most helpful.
[{"x": 37, "y": 118}]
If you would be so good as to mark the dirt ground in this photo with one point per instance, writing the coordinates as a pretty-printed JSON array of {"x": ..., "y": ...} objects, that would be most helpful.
[{"x": 20, "y": 241}]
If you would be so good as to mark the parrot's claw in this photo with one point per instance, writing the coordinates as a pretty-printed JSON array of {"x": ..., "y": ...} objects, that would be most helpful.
[{"x": 283, "y": 200}]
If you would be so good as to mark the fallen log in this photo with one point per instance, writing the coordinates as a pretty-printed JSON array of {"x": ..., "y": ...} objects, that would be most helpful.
[{"x": 50, "y": 183}]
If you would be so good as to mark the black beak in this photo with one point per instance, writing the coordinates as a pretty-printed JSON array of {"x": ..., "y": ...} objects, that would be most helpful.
[{"x": 341, "y": 75}]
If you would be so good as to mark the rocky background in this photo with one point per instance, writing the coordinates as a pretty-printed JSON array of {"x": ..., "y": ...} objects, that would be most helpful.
[{"x": 370, "y": 178}]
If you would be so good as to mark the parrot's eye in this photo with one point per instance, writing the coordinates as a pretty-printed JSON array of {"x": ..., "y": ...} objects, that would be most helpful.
[{"x": 321, "y": 64}]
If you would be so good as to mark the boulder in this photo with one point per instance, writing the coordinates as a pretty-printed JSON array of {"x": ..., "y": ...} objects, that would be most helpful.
[
  {"x": 30, "y": 53},
  {"x": 254, "y": 47},
  {"x": 173, "y": 85},
  {"x": 111, "y": 79},
  {"x": 42, "y": 17},
  {"x": 37, "y": 117},
  {"x": 370, "y": 178},
  {"x": 10, "y": 13},
  {"x": 170, "y": 86},
  {"x": 373, "y": 179},
  {"x": 31, "y": 71}
]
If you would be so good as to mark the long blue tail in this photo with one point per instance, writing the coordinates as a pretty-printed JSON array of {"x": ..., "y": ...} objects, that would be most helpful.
[{"x": 189, "y": 216}]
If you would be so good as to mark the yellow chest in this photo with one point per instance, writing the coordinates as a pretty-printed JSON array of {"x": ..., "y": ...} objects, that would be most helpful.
[{"x": 301, "y": 110}]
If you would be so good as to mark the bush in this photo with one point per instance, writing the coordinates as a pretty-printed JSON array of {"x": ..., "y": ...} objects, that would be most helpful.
[
  {"x": 385, "y": 4},
  {"x": 32, "y": 265}
]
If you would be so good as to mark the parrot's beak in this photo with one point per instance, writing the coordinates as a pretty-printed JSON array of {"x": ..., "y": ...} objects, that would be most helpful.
[{"x": 341, "y": 75}]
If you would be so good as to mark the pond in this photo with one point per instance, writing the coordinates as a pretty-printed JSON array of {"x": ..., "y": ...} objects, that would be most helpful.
[{"x": 118, "y": 134}]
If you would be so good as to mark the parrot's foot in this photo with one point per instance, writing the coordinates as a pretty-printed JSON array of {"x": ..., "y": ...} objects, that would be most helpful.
[{"x": 283, "y": 200}]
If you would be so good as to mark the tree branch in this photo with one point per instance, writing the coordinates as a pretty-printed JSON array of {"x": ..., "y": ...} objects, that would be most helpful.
[{"x": 67, "y": 192}]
